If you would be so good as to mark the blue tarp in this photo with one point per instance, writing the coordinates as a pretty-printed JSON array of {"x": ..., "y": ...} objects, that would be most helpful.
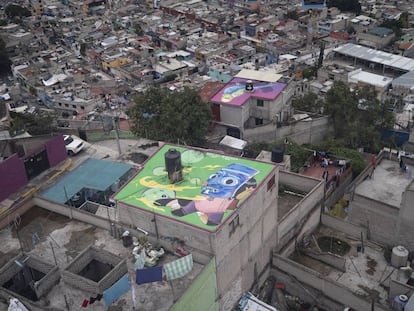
[
  {"x": 93, "y": 174},
  {"x": 398, "y": 137}
]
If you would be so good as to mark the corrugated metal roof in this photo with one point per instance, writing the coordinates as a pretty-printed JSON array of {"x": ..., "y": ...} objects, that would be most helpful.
[
  {"x": 376, "y": 56},
  {"x": 406, "y": 80}
]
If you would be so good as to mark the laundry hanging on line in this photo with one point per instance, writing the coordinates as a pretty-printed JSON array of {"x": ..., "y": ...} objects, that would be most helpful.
[
  {"x": 178, "y": 268},
  {"x": 119, "y": 288},
  {"x": 149, "y": 275}
]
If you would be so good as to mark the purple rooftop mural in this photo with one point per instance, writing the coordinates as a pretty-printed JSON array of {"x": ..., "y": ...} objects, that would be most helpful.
[{"x": 234, "y": 93}]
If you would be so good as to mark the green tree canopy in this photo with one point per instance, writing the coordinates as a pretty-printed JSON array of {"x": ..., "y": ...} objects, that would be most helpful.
[
  {"x": 358, "y": 116},
  {"x": 5, "y": 62},
  {"x": 14, "y": 10},
  {"x": 138, "y": 29},
  {"x": 292, "y": 15},
  {"x": 397, "y": 25},
  {"x": 346, "y": 5},
  {"x": 33, "y": 124},
  {"x": 308, "y": 102},
  {"x": 171, "y": 116}
]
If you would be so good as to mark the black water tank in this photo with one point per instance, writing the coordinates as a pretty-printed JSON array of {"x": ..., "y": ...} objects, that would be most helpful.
[
  {"x": 127, "y": 241},
  {"x": 172, "y": 160},
  {"x": 249, "y": 86},
  {"x": 277, "y": 154}
]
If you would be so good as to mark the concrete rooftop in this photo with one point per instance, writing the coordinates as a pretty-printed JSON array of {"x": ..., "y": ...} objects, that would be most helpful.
[
  {"x": 387, "y": 184},
  {"x": 366, "y": 274},
  {"x": 212, "y": 182},
  {"x": 68, "y": 238}
]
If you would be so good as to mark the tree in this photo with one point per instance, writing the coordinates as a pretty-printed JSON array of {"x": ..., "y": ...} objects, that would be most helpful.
[
  {"x": 357, "y": 115},
  {"x": 138, "y": 29},
  {"x": 308, "y": 102},
  {"x": 14, "y": 10},
  {"x": 308, "y": 72},
  {"x": 404, "y": 20},
  {"x": 160, "y": 114},
  {"x": 346, "y": 5},
  {"x": 82, "y": 49},
  {"x": 292, "y": 15},
  {"x": 5, "y": 62},
  {"x": 397, "y": 25},
  {"x": 34, "y": 124}
]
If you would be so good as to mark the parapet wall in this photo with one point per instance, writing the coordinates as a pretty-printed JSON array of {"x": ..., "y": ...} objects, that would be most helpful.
[
  {"x": 70, "y": 273},
  {"x": 303, "y": 217},
  {"x": 327, "y": 287}
]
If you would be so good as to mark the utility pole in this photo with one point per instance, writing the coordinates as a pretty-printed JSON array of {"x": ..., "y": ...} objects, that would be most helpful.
[{"x": 114, "y": 123}]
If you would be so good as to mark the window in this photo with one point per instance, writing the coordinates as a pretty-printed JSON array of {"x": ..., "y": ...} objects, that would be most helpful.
[
  {"x": 83, "y": 107},
  {"x": 74, "y": 106},
  {"x": 260, "y": 103},
  {"x": 259, "y": 121},
  {"x": 271, "y": 182},
  {"x": 234, "y": 224},
  {"x": 66, "y": 105}
]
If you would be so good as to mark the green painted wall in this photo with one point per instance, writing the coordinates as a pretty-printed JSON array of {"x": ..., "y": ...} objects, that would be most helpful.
[{"x": 202, "y": 294}]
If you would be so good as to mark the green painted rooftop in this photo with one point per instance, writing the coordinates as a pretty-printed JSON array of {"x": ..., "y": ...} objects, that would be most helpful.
[{"x": 212, "y": 187}]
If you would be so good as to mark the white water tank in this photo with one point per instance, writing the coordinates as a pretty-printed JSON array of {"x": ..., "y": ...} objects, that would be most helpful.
[{"x": 399, "y": 256}]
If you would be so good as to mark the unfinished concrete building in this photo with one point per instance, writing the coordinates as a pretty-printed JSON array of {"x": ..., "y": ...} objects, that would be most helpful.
[
  {"x": 29, "y": 279},
  {"x": 233, "y": 217},
  {"x": 94, "y": 270},
  {"x": 236, "y": 243},
  {"x": 364, "y": 260}
]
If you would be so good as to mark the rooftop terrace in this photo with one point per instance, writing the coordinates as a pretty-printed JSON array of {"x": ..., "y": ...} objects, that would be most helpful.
[
  {"x": 213, "y": 185},
  {"x": 387, "y": 185},
  {"x": 365, "y": 272},
  {"x": 234, "y": 92},
  {"x": 60, "y": 237}
]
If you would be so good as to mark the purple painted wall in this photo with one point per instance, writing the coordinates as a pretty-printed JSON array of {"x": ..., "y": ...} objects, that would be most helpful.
[
  {"x": 56, "y": 150},
  {"x": 12, "y": 176}
]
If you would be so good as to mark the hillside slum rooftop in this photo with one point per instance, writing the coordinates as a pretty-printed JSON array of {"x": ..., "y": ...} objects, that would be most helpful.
[
  {"x": 387, "y": 184},
  {"x": 94, "y": 174},
  {"x": 59, "y": 240},
  {"x": 234, "y": 93},
  {"x": 362, "y": 268},
  {"x": 213, "y": 185}
]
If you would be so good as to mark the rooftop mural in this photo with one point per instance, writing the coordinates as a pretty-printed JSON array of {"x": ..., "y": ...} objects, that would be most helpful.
[
  {"x": 234, "y": 92},
  {"x": 212, "y": 187}
]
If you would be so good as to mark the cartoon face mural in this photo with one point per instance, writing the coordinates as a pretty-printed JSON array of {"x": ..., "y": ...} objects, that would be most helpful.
[
  {"x": 226, "y": 182},
  {"x": 222, "y": 192},
  {"x": 152, "y": 194},
  {"x": 213, "y": 186}
]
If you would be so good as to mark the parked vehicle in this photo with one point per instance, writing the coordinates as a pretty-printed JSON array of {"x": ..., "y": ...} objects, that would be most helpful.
[{"x": 73, "y": 145}]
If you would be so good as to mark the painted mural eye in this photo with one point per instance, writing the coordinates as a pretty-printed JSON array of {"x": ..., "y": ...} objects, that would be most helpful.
[
  {"x": 212, "y": 176},
  {"x": 164, "y": 196},
  {"x": 229, "y": 181}
]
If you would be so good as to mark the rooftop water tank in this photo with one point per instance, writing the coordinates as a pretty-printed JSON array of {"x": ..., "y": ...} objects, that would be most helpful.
[
  {"x": 249, "y": 86},
  {"x": 173, "y": 165},
  {"x": 277, "y": 154},
  {"x": 399, "y": 256},
  {"x": 399, "y": 302}
]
